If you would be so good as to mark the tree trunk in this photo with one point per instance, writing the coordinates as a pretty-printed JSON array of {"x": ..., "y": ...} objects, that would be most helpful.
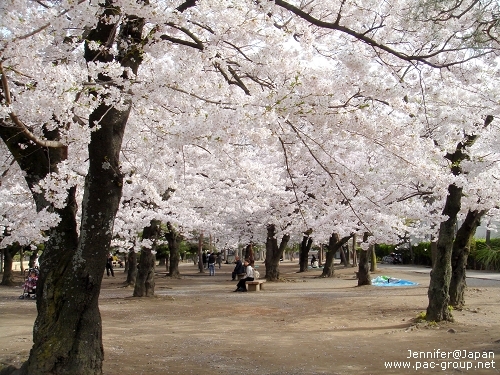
[
  {"x": 132, "y": 268},
  {"x": 354, "y": 254},
  {"x": 460, "y": 253},
  {"x": 304, "y": 253},
  {"x": 274, "y": 253},
  {"x": 8, "y": 274},
  {"x": 433, "y": 252},
  {"x": 68, "y": 331},
  {"x": 200, "y": 253},
  {"x": 373, "y": 256},
  {"x": 174, "y": 239},
  {"x": 249, "y": 255},
  {"x": 439, "y": 285},
  {"x": 363, "y": 273},
  {"x": 21, "y": 259},
  {"x": 412, "y": 255},
  {"x": 343, "y": 256},
  {"x": 67, "y": 334},
  {"x": 145, "y": 283},
  {"x": 334, "y": 244}
]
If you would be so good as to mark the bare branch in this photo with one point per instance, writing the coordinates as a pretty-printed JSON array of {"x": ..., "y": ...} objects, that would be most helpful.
[{"x": 195, "y": 43}]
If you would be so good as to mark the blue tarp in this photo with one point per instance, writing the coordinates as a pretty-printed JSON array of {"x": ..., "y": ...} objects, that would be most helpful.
[{"x": 391, "y": 281}]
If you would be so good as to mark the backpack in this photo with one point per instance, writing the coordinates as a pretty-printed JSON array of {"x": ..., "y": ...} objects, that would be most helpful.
[{"x": 256, "y": 274}]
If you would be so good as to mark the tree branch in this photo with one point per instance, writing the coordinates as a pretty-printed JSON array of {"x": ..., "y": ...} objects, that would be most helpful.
[
  {"x": 424, "y": 59},
  {"x": 19, "y": 124},
  {"x": 291, "y": 179}
]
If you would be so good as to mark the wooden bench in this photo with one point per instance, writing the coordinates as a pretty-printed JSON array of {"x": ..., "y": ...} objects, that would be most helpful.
[{"x": 255, "y": 286}]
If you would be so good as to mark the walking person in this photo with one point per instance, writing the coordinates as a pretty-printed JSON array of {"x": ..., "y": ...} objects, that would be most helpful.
[
  {"x": 241, "y": 286},
  {"x": 211, "y": 264},
  {"x": 109, "y": 265},
  {"x": 218, "y": 259}
]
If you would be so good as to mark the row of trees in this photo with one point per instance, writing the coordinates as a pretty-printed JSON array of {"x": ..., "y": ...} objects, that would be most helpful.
[{"x": 251, "y": 119}]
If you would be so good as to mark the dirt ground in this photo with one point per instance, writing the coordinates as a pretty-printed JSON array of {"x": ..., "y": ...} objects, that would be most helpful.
[{"x": 305, "y": 325}]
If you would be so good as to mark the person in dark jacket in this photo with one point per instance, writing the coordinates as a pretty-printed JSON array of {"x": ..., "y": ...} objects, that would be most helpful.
[
  {"x": 109, "y": 265},
  {"x": 211, "y": 264},
  {"x": 238, "y": 268},
  {"x": 249, "y": 276}
]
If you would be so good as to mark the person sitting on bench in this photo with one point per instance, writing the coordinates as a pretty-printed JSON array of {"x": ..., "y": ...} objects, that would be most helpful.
[
  {"x": 241, "y": 286},
  {"x": 238, "y": 268}
]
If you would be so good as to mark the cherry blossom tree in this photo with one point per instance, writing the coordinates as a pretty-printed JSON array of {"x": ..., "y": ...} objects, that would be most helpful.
[{"x": 327, "y": 97}]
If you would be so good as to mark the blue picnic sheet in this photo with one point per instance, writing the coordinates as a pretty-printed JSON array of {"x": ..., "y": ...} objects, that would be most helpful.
[{"x": 391, "y": 281}]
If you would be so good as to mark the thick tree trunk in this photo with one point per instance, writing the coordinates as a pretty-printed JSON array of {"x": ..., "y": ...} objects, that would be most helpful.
[
  {"x": 174, "y": 239},
  {"x": 460, "y": 253},
  {"x": 274, "y": 253},
  {"x": 439, "y": 285},
  {"x": 334, "y": 244},
  {"x": 68, "y": 330},
  {"x": 328, "y": 268},
  {"x": 132, "y": 268},
  {"x": 363, "y": 273},
  {"x": 305, "y": 246},
  {"x": 145, "y": 283},
  {"x": 8, "y": 273},
  {"x": 67, "y": 334}
]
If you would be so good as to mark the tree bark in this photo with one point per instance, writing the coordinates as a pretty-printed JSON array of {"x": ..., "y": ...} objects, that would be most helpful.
[
  {"x": 8, "y": 273},
  {"x": 174, "y": 239},
  {"x": 343, "y": 256},
  {"x": 439, "y": 285},
  {"x": 274, "y": 253},
  {"x": 68, "y": 331},
  {"x": 334, "y": 244},
  {"x": 145, "y": 283},
  {"x": 200, "y": 253},
  {"x": 132, "y": 268},
  {"x": 305, "y": 246},
  {"x": 354, "y": 253},
  {"x": 363, "y": 273},
  {"x": 249, "y": 254},
  {"x": 373, "y": 256},
  {"x": 460, "y": 253}
]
